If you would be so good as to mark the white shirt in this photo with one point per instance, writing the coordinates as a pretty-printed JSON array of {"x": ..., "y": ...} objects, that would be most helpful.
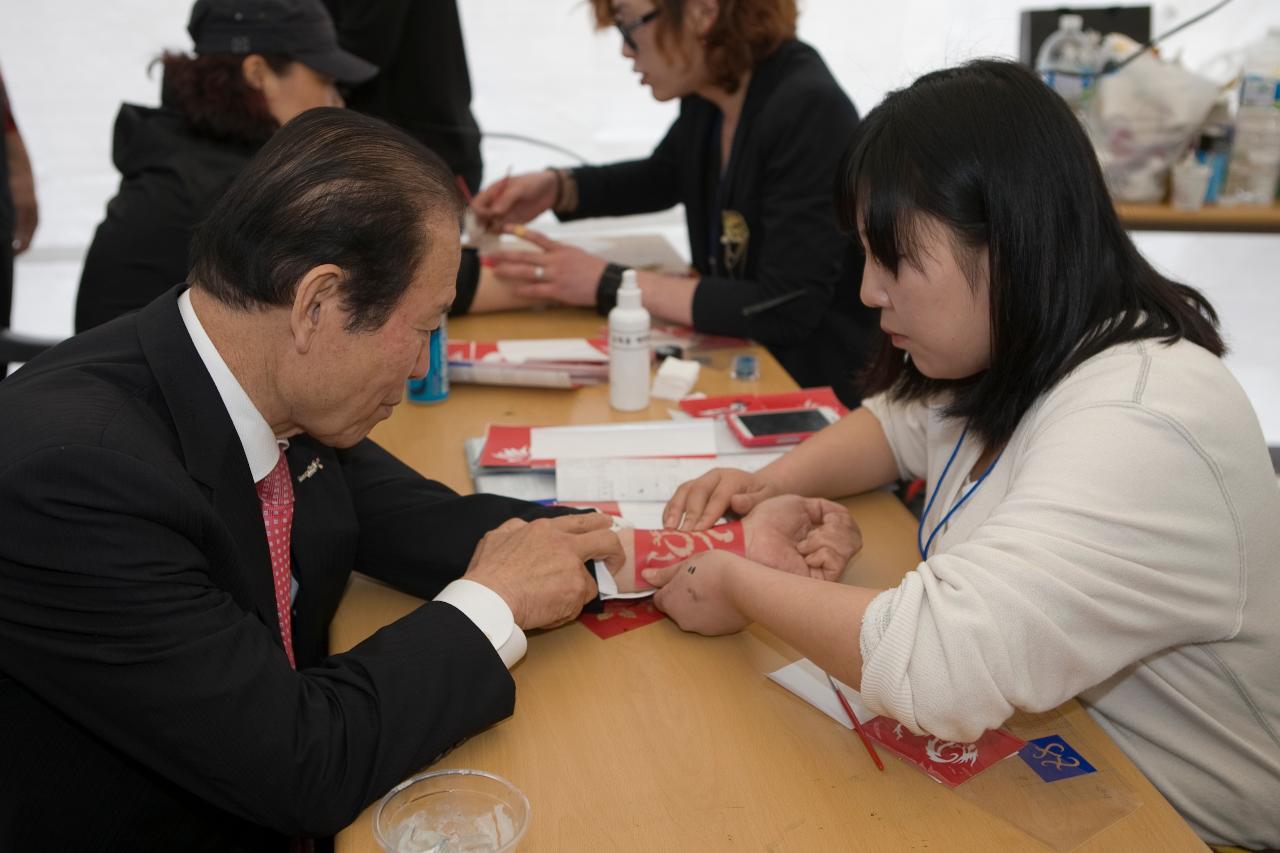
[
  {"x": 1125, "y": 549},
  {"x": 481, "y": 605}
]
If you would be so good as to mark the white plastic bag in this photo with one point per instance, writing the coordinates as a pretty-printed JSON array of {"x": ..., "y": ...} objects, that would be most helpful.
[{"x": 1144, "y": 118}]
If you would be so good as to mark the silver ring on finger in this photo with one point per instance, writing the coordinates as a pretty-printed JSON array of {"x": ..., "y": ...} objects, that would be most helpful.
[{"x": 539, "y": 272}]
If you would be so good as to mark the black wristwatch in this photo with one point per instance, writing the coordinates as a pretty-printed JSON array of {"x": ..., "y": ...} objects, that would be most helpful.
[{"x": 607, "y": 288}]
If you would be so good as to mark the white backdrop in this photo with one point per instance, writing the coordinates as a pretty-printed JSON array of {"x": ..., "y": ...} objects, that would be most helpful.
[{"x": 539, "y": 68}]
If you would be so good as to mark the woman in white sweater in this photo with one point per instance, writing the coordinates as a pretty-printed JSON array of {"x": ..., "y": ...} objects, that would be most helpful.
[{"x": 1102, "y": 518}]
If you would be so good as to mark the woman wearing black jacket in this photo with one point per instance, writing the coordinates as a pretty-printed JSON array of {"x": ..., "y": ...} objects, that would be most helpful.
[
  {"x": 249, "y": 75},
  {"x": 753, "y": 159}
]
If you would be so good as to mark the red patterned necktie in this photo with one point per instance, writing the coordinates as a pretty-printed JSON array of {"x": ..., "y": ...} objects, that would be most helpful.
[{"x": 276, "y": 493}]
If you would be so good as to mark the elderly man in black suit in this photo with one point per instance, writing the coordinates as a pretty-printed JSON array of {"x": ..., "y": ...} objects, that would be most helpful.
[{"x": 185, "y": 493}]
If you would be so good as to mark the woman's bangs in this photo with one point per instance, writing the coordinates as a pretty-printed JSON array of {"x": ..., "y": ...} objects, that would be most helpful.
[{"x": 880, "y": 190}]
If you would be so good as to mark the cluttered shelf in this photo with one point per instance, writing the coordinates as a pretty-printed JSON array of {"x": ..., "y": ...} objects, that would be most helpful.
[{"x": 1165, "y": 217}]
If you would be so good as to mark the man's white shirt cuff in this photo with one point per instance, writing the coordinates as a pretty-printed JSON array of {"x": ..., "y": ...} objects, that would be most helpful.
[{"x": 490, "y": 614}]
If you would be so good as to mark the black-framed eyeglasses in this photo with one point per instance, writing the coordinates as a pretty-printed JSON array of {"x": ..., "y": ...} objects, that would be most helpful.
[{"x": 629, "y": 27}]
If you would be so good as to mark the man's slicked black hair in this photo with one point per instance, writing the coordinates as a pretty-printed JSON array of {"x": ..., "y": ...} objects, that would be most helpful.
[
  {"x": 996, "y": 157},
  {"x": 330, "y": 187}
]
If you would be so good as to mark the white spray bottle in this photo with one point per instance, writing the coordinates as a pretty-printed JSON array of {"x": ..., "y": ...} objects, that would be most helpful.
[{"x": 629, "y": 348}]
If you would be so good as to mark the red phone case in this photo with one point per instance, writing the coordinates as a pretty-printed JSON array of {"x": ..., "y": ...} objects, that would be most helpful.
[{"x": 749, "y": 440}]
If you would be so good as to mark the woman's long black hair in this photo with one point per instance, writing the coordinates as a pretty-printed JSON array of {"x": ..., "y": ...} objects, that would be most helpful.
[{"x": 990, "y": 152}]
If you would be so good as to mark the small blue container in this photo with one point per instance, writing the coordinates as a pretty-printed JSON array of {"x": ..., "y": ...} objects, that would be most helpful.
[
  {"x": 745, "y": 368},
  {"x": 433, "y": 387}
]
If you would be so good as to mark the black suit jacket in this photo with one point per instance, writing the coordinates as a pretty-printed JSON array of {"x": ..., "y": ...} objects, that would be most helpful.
[
  {"x": 145, "y": 699},
  {"x": 796, "y": 123}
]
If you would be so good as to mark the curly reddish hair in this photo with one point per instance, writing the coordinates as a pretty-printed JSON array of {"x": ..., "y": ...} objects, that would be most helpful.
[
  {"x": 744, "y": 33},
  {"x": 214, "y": 98}
]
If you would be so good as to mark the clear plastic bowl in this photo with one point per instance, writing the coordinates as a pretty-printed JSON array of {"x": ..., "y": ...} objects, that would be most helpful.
[{"x": 451, "y": 811}]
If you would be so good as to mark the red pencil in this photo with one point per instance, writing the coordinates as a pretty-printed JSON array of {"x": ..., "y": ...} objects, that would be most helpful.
[{"x": 857, "y": 726}]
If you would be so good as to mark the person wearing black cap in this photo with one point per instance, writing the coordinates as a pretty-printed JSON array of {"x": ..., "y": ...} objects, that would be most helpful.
[{"x": 257, "y": 64}]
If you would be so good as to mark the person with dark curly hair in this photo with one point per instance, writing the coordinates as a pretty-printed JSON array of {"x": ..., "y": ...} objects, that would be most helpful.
[
  {"x": 753, "y": 159},
  {"x": 256, "y": 65}
]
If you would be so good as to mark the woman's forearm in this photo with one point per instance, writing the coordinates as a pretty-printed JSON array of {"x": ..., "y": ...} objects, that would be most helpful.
[
  {"x": 847, "y": 458},
  {"x": 821, "y": 619}
]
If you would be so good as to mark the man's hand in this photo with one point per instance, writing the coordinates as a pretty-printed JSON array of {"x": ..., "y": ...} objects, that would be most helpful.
[
  {"x": 537, "y": 567},
  {"x": 803, "y": 536}
]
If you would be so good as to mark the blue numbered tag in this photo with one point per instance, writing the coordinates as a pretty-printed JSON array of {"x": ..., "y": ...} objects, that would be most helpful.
[{"x": 1053, "y": 759}]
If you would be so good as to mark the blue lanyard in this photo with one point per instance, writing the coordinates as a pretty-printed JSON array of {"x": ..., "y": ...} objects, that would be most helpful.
[{"x": 923, "y": 544}]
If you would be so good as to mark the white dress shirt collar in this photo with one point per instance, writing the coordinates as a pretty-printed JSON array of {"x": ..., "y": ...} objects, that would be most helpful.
[{"x": 261, "y": 448}]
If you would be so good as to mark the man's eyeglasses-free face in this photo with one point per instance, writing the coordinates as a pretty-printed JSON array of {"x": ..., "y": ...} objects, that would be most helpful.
[{"x": 629, "y": 27}]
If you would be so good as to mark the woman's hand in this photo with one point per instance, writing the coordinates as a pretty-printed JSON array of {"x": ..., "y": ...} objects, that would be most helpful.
[
  {"x": 696, "y": 594},
  {"x": 804, "y": 536},
  {"x": 698, "y": 503},
  {"x": 515, "y": 199},
  {"x": 560, "y": 272}
]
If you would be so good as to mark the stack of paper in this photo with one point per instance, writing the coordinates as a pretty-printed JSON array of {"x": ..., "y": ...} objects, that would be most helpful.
[
  {"x": 542, "y": 447},
  {"x": 542, "y": 362}
]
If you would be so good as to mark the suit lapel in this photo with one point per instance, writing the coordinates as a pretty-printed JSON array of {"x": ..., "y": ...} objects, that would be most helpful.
[{"x": 211, "y": 451}]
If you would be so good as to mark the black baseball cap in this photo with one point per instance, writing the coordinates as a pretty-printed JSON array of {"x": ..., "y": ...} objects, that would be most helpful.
[{"x": 299, "y": 29}]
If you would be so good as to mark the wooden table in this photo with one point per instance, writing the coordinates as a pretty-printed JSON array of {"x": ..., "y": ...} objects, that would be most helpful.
[
  {"x": 1164, "y": 217},
  {"x": 661, "y": 740}
]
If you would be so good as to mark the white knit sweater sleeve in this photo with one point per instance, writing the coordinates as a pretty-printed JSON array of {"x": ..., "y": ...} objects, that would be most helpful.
[
  {"x": 1114, "y": 540},
  {"x": 904, "y": 425}
]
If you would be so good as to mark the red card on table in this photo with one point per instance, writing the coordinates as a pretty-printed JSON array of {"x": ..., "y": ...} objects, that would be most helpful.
[
  {"x": 621, "y": 616},
  {"x": 947, "y": 761},
  {"x": 508, "y": 447}
]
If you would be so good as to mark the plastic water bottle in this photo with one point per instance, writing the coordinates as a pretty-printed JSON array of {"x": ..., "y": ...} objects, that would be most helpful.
[
  {"x": 1068, "y": 61},
  {"x": 1254, "y": 168},
  {"x": 629, "y": 348},
  {"x": 433, "y": 387}
]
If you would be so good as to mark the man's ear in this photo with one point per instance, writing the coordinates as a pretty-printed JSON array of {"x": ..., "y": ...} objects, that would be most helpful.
[{"x": 317, "y": 305}]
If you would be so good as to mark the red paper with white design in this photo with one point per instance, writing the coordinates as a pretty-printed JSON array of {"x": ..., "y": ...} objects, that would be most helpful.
[
  {"x": 657, "y": 549},
  {"x": 949, "y": 762},
  {"x": 618, "y": 617},
  {"x": 508, "y": 447}
]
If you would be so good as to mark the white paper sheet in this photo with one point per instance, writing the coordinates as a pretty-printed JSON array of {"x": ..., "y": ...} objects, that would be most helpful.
[
  {"x": 804, "y": 679},
  {"x": 608, "y": 585},
  {"x": 550, "y": 349},
  {"x": 525, "y": 486},
  {"x": 645, "y": 515},
  {"x": 607, "y": 479},
  {"x": 645, "y": 438}
]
